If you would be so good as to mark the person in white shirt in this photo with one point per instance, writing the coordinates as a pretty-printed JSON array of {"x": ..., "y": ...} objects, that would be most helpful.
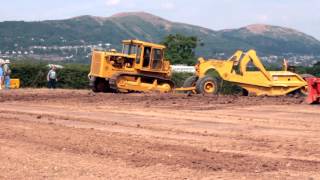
[{"x": 52, "y": 78}]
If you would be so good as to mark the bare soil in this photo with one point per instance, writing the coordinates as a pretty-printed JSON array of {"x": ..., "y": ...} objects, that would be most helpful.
[{"x": 71, "y": 134}]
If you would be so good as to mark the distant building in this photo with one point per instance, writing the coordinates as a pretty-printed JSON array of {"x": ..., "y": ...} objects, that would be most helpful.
[
  {"x": 183, "y": 68},
  {"x": 56, "y": 65}
]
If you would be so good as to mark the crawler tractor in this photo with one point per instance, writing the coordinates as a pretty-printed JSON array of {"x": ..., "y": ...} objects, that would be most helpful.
[
  {"x": 140, "y": 67},
  {"x": 253, "y": 79}
]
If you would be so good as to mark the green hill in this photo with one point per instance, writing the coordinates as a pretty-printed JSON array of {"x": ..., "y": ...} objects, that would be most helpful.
[
  {"x": 84, "y": 30},
  {"x": 274, "y": 39}
]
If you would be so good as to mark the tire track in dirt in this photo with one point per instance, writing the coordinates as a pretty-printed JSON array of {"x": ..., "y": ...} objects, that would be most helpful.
[
  {"x": 139, "y": 151},
  {"x": 94, "y": 124},
  {"x": 258, "y": 145},
  {"x": 198, "y": 136}
]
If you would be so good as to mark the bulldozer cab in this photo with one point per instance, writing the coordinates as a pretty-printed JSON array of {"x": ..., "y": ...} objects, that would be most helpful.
[
  {"x": 152, "y": 58},
  {"x": 149, "y": 56}
]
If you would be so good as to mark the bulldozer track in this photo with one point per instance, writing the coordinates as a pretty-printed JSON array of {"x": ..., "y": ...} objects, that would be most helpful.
[{"x": 113, "y": 79}]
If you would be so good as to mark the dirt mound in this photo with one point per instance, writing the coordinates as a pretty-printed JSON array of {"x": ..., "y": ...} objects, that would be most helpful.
[{"x": 177, "y": 101}]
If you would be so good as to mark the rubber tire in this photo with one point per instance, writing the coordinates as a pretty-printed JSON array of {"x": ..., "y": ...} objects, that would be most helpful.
[
  {"x": 190, "y": 82},
  {"x": 201, "y": 83},
  {"x": 297, "y": 93},
  {"x": 245, "y": 92}
]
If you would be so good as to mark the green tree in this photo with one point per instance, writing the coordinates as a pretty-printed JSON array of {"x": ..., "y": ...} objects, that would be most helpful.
[
  {"x": 180, "y": 48},
  {"x": 315, "y": 70}
]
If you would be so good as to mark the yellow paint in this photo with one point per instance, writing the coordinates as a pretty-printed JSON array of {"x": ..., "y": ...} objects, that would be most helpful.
[
  {"x": 110, "y": 64},
  {"x": 258, "y": 82}
]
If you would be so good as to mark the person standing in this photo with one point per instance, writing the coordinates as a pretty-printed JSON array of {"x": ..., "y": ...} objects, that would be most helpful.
[
  {"x": 1, "y": 73},
  {"x": 7, "y": 73},
  {"x": 52, "y": 78}
]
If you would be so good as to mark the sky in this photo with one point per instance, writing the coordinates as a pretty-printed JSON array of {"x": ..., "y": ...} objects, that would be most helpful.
[{"x": 303, "y": 15}]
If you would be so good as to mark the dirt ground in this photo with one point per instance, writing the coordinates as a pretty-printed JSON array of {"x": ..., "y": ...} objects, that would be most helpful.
[{"x": 69, "y": 134}]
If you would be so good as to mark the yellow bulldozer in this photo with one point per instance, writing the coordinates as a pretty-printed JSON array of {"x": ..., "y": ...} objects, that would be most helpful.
[
  {"x": 247, "y": 71},
  {"x": 140, "y": 67}
]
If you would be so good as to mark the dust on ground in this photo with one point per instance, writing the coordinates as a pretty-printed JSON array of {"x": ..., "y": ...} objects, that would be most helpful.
[{"x": 76, "y": 134}]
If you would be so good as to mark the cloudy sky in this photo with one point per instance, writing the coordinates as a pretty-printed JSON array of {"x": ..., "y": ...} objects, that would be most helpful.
[{"x": 303, "y": 15}]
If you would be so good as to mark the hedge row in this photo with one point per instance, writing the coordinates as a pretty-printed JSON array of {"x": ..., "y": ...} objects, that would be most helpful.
[{"x": 72, "y": 76}]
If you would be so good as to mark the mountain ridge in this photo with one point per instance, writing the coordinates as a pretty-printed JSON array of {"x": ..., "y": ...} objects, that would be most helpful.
[
  {"x": 148, "y": 16},
  {"x": 87, "y": 29}
]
